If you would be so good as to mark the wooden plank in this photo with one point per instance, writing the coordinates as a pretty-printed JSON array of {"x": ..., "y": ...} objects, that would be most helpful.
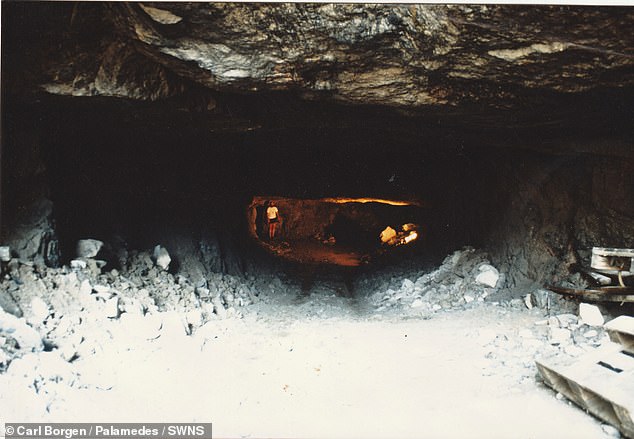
[
  {"x": 602, "y": 382},
  {"x": 621, "y": 330},
  {"x": 618, "y": 252},
  {"x": 605, "y": 294}
]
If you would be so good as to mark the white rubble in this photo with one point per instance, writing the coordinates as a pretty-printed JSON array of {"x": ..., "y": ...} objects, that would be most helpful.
[
  {"x": 162, "y": 257},
  {"x": 38, "y": 311},
  {"x": 528, "y": 301},
  {"x": 27, "y": 337},
  {"x": 590, "y": 315},
  {"x": 489, "y": 275},
  {"x": 559, "y": 335},
  {"x": 78, "y": 264},
  {"x": 5, "y": 253},
  {"x": 88, "y": 248},
  {"x": 454, "y": 284},
  {"x": 540, "y": 298}
]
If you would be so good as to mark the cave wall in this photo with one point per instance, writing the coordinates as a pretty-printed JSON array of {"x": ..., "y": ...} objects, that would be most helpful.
[
  {"x": 536, "y": 212},
  {"x": 26, "y": 211},
  {"x": 558, "y": 209},
  {"x": 111, "y": 176}
]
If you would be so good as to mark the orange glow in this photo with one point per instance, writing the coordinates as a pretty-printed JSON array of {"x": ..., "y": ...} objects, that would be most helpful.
[{"x": 371, "y": 200}]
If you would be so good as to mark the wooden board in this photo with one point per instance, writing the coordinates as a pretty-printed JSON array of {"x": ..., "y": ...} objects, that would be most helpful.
[
  {"x": 621, "y": 331},
  {"x": 612, "y": 259},
  {"x": 619, "y": 252},
  {"x": 601, "y": 382},
  {"x": 602, "y": 294}
]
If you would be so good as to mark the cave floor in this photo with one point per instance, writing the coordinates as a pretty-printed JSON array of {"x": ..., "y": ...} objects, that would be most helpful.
[
  {"x": 315, "y": 252},
  {"x": 314, "y": 366}
]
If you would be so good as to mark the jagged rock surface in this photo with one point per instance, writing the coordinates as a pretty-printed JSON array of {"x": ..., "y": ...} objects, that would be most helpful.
[{"x": 398, "y": 55}]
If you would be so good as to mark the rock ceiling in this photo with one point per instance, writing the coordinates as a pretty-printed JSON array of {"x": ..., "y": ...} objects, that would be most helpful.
[{"x": 407, "y": 57}]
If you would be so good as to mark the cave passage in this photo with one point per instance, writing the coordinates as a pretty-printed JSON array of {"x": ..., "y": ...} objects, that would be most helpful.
[
  {"x": 113, "y": 176},
  {"x": 116, "y": 174},
  {"x": 338, "y": 231}
]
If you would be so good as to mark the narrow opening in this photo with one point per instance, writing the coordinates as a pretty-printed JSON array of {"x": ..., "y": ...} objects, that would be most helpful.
[
  {"x": 339, "y": 231},
  {"x": 609, "y": 366}
]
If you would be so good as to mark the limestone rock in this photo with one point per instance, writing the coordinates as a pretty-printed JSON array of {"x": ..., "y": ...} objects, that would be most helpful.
[
  {"x": 17, "y": 328},
  {"x": 403, "y": 55},
  {"x": 88, "y": 248},
  {"x": 38, "y": 311},
  {"x": 488, "y": 275},
  {"x": 590, "y": 314},
  {"x": 162, "y": 257},
  {"x": 559, "y": 336},
  {"x": 78, "y": 264},
  {"x": 540, "y": 298},
  {"x": 5, "y": 253}
]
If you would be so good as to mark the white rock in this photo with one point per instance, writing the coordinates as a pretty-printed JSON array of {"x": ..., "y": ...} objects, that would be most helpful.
[
  {"x": 469, "y": 298},
  {"x": 567, "y": 320},
  {"x": 407, "y": 286},
  {"x": 78, "y": 264},
  {"x": 5, "y": 253},
  {"x": 417, "y": 303},
  {"x": 528, "y": 301},
  {"x": 162, "y": 257},
  {"x": 207, "y": 310},
  {"x": 202, "y": 292},
  {"x": 541, "y": 298},
  {"x": 88, "y": 248},
  {"x": 27, "y": 337},
  {"x": 590, "y": 315},
  {"x": 219, "y": 308},
  {"x": 111, "y": 309},
  {"x": 39, "y": 311},
  {"x": 559, "y": 335},
  {"x": 488, "y": 276},
  {"x": 590, "y": 334},
  {"x": 85, "y": 288}
]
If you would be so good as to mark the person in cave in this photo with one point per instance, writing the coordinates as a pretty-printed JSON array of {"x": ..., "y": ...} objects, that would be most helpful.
[{"x": 273, "y": 217}]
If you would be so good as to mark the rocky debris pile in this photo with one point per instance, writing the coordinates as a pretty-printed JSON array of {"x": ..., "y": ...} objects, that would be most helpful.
[
  {"x": 572, "y": 334},
  {"x": 61, "y": 308},
  {"x": 576, "y": 334},
  {"x": 464, "y": 277}
]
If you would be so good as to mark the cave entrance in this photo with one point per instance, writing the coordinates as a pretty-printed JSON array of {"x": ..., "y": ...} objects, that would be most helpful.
[{"x": 338, "y": 231}]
